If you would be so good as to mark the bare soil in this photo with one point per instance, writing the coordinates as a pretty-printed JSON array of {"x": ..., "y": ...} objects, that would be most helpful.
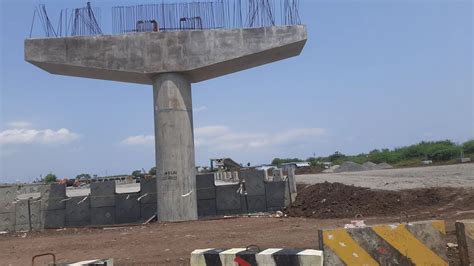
[
  {"x": 336, "y": 200},
  {"x": 172, "y": 243}
]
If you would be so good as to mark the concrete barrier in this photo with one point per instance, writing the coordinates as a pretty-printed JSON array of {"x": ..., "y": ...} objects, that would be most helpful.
[
  {"x": 465, "y": 236},
  {"x": 268, "y": 257},
  {"x": 417, "y": 243}
]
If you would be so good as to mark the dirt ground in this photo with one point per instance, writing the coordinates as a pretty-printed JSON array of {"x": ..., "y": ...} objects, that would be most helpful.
[
  {"x": 171, "y": 244},
  {"x": 457, "y": 175}
]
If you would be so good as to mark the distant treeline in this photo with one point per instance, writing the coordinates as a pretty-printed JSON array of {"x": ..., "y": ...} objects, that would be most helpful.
[{"x": 444, "y": 151}]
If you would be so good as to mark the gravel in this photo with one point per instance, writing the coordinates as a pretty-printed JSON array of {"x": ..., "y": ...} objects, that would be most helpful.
[{"x": 458, "y": 175}]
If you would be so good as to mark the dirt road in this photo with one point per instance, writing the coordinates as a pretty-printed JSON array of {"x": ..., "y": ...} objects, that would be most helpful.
[
  {"x": 459, "y": 175},
  {"x": 171, "y": 244}
]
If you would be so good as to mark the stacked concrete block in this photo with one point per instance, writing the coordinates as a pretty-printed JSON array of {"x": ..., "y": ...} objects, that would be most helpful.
[
  {"x": 103, "y": 203},
  {"x": 228, "y": 200},
  {"x": 148, "y": 205},
  {"x": 255, "y": 187},
  {"x": 292, "y": 183},
  {"x": 148, "y": 210},
  {"x": 7, "y": 208},
  {"x": 28, "y": 215},
  {"x": 255, "y": 204},
  {"x": 78, "y": 212},
  {"x": 103, "y": 194},
  {"x": 465, "y": 236},
  {"x": 103, "y": 215},
  {"x": 53, "y": 206},
  {"x": 206, "y": 195},
  {"x": 275, "y": 195},
  {"x": 277, "y": 174},
  {"x": 235, "y": 176},
  {"x": 127, "y": 208}
]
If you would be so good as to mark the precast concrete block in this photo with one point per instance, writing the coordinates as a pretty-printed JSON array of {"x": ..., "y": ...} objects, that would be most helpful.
[
  {"x": 255, "y": 204},
  {"x": 275, "y": 195},
  {"x": 148, "y": 210},
  {"x": 228, "y": 199},
  {"x": 102, "y": 215},
  {"x": 53, "y": 218},
  {"x": 235, "y": 176},
  {"x": 7, "y": 197},
  {"x": 26, "y": 227},
  {"x": 52, "y": 197},
  {"x": 205, "y": 187},
  {"x": 78, "y": 211},
  {"x": 23, "y": 214},
  {"x": 207, "y": 207},
  {"x": 127, "y": 208},
  {"x": 205, "y": 181},
  {"x": 148, "y": 187},
  {"x": 103, "y": 194},
  {"x": 277, "y": 174},
  {"x": 206, "y": 193},
  {"x": 465, "y": 237},
  {"x": 7, "y": 221},
  {"x": 253, "y": 181},
  {"x": 416, "y": 243}
]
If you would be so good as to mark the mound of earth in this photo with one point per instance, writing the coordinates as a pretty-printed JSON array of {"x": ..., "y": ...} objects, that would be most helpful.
[
  {"x": 336, "y": 200},
  {"x": 369, "y": 165},
  {"x": 349, "y": 167},
  {"x": 381, "y": 166}
]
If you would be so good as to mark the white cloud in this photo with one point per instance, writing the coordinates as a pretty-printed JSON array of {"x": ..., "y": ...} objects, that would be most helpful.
[
  {"x": 19, "y": 124},
  {"x": 45, "y": 136},
  {"x": 200, "y": 109},
  {"x": 139, "y": 140},
  {"x": 223, "y": 138}
]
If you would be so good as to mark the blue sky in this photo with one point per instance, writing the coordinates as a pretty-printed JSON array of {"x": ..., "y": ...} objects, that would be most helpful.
[{"x": 373, "y": 74}]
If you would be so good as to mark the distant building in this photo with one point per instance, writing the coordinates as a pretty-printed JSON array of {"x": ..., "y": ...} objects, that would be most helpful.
[
  {"x": 295, "y": 165},
  {"x": 225, "y": 164},
  {"x": 327, "y": 165},
  {"x": 265, "y": 167}
]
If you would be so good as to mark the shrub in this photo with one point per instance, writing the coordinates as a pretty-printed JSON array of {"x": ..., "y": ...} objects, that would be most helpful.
[
  {"x": 50, "y": 178},
  {"x": 468, "y": 147},
  {"x": 445, "y": 154}
]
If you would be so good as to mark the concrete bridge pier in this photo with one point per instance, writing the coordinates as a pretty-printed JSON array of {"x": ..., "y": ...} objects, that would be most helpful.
[
  {"x": 174, "y": 144},
  {"x": 170, "y": 61}
]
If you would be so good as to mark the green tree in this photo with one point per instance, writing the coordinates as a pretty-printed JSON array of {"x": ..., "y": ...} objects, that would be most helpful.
[
  {"x": 50, "y": 178},
  {"x": 137, "y": 173},
  {"x": 152, "y": 171},
  {"x": 446, "y": 154},
  {"x": 279, "y": 161},
  {"x": 468, "y": 147},
  {"x": 83, "y": 176}
]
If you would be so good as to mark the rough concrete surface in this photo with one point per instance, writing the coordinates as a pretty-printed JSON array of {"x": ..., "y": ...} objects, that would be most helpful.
[
  {"x": 459, "y": 175},
  {"x": 200, "y": 54}
]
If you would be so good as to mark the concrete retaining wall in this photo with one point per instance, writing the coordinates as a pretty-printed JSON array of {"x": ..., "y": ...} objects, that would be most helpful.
[
  {"x": 261, "y": 195},
  {"x": 465, "y": 236},
  {"x": 418, "y": 243},
  {"x": 104, "y": 206},
  {"x": 242, "y": 256}
]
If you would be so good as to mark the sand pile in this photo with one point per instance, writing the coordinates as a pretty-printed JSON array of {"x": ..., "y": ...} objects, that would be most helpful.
[
  {"x": 369, "y": 165},
  {"x": 381, "y": 166},
  {"x": 349, "y": 167}
]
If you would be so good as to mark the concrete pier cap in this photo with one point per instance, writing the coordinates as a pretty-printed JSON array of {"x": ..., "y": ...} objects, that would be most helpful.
[{"x": 170, "y": 61}]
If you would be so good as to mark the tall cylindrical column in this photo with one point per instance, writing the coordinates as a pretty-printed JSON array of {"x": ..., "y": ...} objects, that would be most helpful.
[{"x": 174, "y": 146}]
